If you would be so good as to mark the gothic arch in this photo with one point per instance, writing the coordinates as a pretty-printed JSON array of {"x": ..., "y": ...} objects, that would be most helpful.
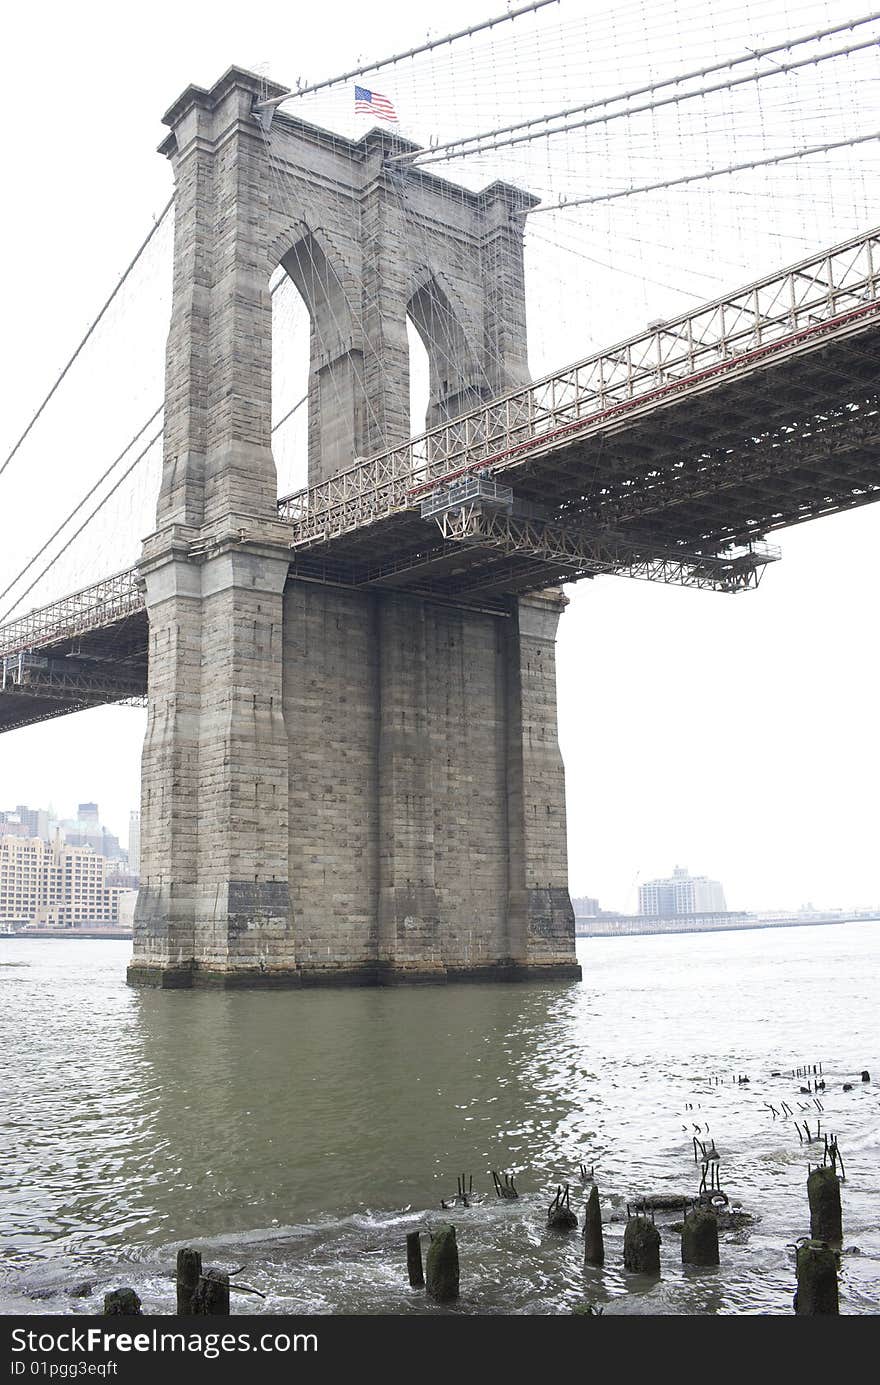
[
  {"x": 456, "y": 381},
  {"x": 336, "y": 398}
]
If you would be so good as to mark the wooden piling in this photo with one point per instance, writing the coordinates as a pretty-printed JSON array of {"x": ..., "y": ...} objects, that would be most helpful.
[
  {"x": 211, "y": 1297},
  {"x": 641, "y": 1246},
  {"x": 124, "y": 1302},
  {"x": 189, "y": 1271},
  {"x": 559, "y": 1214},
  {"x": 699, "y": 1238},
  {"x": 816, "y": 1280},
  {"x": 594, "y": 1245},
  {"x": 414, "y": 1260},
  {"x": 823, "y": 1192},
  {"x": 442, "y": 1273}
]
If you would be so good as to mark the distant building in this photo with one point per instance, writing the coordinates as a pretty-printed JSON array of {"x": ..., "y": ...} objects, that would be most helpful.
[
  {"x": 55, "y": 886},
  {"x": 125, "y": 902},
  {"x": 11, "y": 825},
  {"x": 86, "y": 830},
  {"x": 36, "y": 820},
  {"x": 83, "y": 830},
  {"x": 25, "y": 822},
  {"x": 585, "y": 907},
  {"x": 681, "y": 893},
  {"x": 120, "y": 879}
]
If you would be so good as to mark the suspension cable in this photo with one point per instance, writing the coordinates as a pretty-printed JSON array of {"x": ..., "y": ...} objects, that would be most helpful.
[
  {"x": 103, "y": 477},
  {"x": 86, "y": 498},
  {"x": 456, "y": 149},
  {"x": 115, "y": 487},
  {"x": 697, "y": 177},
  {"x": 165, "y": 210},
  {"x": 399, "y": 57}
]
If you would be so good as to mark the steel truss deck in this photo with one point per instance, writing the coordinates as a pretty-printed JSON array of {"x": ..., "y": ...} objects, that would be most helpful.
[{"x": 827, "y": 297}]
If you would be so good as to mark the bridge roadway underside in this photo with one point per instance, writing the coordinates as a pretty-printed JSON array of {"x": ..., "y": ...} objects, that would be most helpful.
[
  {"x": 716, "y": 464},
  {"x": 96, "y": 667},
  {"x": 710, "y": 467}
]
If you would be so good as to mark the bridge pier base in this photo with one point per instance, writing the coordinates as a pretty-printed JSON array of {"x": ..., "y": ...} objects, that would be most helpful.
[{"x": 425, "y": 817}]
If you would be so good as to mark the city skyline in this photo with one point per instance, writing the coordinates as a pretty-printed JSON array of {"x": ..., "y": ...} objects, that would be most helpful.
[{"x": 47, "y": 806}]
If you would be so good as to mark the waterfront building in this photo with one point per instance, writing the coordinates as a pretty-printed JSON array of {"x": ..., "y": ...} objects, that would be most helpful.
[
  {"x": 55, "y": 885},
  {"x": 681, "y": 893}
]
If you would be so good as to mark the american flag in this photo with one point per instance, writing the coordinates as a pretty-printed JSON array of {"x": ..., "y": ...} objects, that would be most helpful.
[{"x": 373, "y": 103}]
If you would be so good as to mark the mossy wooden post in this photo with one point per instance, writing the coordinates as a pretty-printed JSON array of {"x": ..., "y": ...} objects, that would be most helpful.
[
  {"x": 816, "y": 1281},
  {"x": 823, "y": 1192},
  {"x": 211, "y": 1298},
  {"x": 442, "y": 1265},
  {"x": 594, "y": 1245},
  {"x": 641, "y": 1246},
  {"x": 414, "y": 1260},
  {"x": 699, "y": 1238},
  {"x": 124, "y": 1302},
  {"x": 189, "y": 1272}
]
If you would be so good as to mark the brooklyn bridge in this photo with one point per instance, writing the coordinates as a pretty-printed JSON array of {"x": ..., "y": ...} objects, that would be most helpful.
[{"x": 351, "y": 771}]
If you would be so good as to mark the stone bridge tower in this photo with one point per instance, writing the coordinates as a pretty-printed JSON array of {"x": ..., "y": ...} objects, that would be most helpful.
[{"x": 343, "y": 785}]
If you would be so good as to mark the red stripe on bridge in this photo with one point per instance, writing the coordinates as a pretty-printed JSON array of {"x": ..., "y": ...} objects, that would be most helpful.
[{"x": 659, "y": 393}]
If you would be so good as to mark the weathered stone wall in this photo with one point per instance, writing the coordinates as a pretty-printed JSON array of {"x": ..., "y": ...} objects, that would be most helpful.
[
  {"x": 331, "y": 710},
  {"x": 214, "y": 900},
  {"x": 467, "y": 717},
  {"x": 410, "y": 760},
  {"x": 541, "y": 916}
]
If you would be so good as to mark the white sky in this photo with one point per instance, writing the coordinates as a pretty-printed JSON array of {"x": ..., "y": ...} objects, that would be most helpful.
[{"x": 732, "y": 734}]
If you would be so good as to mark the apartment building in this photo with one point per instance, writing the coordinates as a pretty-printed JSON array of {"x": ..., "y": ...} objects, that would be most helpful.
[
  {"x": 55, "y": 885},
  {"x": 681, "y": 893}
]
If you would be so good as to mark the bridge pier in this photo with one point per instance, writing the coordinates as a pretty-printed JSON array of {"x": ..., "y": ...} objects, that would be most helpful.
[
  {"x": 341, "y": 784},
  {"x": 423, "y": 834},
  {"x": 214, "y": 895}
]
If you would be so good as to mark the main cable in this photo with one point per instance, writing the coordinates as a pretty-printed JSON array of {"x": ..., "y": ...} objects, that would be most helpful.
[
  {"x": 86, "y": 498},
  {"x": 165, "y": 210},
  {"x": 115, "y": 487}
]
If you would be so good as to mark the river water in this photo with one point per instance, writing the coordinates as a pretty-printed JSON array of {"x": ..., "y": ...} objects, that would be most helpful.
[{"x": 301, "y": 1135}]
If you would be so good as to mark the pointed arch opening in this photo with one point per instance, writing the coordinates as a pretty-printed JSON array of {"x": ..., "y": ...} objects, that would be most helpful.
[
  {"x": 455, "y": 382},
  {"x": 317, "y": 368},
  {"x": 291, "y": 330},
  {"x": 419, "y": 379}
]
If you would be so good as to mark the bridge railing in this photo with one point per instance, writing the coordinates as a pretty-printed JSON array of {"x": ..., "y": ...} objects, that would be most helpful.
[
  {"x": 772, "y": 314},
  {"x": 103, "y": 603}
]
